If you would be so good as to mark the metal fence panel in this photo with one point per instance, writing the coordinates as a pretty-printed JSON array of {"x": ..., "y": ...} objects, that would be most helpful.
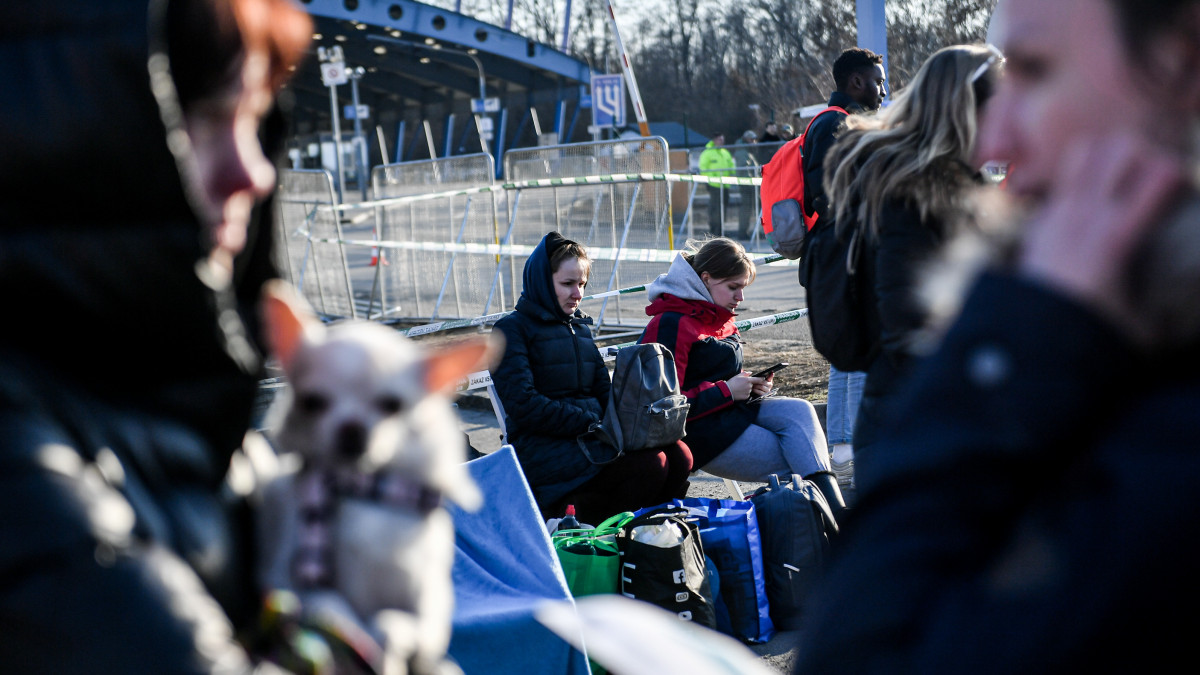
[
  {"x": 437, "y": 284},
  {"x": 622, "y": 215},
  {"x": 309, "y": 253}
]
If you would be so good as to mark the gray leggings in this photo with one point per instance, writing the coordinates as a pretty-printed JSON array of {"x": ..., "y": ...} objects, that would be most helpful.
[{"x": 786, "y": 438}]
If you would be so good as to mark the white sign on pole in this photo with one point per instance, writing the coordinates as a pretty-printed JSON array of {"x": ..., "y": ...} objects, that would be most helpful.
[
  {"x": 360, "y": 112},
  {"x": 485, "y": 105},
  {"x": 485, "y": 123},
  {"x": 333, "y": 73}
]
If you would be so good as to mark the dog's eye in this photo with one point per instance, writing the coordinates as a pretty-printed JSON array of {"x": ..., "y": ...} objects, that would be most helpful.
[
  {"x": 390, "y": 405},
  {"x": 312, "y": 404}
]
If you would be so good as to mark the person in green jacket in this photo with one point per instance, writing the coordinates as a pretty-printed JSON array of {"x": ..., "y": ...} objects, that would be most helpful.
[{"x": 716, "y": 161}]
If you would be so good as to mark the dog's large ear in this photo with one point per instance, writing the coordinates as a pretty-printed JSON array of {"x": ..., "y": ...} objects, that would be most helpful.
[
  {"x": 287, "y": 320},
  {"x": 446, "y": 366}
]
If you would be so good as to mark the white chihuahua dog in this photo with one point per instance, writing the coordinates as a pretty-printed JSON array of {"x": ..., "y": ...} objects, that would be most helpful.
[{"x": 357, "y": 529}]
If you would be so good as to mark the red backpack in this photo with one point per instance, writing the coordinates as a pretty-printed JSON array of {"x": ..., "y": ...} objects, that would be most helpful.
[{"x": 783, "y": 218}]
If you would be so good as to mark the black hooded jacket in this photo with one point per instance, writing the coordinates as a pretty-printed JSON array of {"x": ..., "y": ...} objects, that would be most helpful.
[
  {"x": 553, "y": 383},
  {"x": 98, "y": 244},
  {"x": 126, "y": 382}
]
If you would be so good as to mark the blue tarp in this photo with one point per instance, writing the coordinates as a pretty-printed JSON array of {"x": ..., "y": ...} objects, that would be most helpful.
[{"x": 504, "y": 567}]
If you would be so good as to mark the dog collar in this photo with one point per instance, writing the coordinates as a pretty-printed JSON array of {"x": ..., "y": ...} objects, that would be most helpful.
[{"x": 319, "y": 492}]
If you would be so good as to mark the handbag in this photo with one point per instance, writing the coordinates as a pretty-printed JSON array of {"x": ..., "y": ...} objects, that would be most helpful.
[
  {"x": 589, "y": 557},
  {"x": 662, "y": 562},
  {"x": 730, "y": 535}
]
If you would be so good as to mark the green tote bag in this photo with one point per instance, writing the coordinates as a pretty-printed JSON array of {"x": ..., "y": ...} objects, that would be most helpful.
[{"x": 589, "y": 557}]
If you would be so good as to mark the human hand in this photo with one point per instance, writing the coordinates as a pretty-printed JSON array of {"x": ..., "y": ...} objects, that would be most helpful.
[
  {"x": 763, "y": 389},
  {"x": 1111, "y": 194},
  {"x": 741, "y": 386}
]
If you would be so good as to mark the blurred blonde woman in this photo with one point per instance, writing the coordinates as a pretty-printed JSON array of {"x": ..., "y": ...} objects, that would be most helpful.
[{"x": 901, "y": 180}]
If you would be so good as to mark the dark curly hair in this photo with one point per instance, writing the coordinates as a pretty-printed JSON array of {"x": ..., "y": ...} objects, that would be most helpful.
[{"x": 850, "y": 62}]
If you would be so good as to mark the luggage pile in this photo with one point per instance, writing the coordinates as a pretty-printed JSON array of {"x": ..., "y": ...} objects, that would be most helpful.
[{"x": 744, "y": 568}]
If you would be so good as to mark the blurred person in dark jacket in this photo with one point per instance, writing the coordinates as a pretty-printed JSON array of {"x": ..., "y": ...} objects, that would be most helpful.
[
  {"x": 746, "y": 160},
  {"x": 1034, "y": 498},
  {"x": 128, "y": 372}
]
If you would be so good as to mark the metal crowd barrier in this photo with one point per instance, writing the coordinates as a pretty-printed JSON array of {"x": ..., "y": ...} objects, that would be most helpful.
[
  {"x": 441, "y": 241},
  {"x": 310, "y": 252}
]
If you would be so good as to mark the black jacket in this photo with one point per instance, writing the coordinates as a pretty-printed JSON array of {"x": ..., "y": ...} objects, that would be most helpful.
[
  {"x": 891, "y": 267},
  {"x": 126, "y": 383},
  {"x": 1032, "y": 507},
  {"x": 553, "y": 384},
  {"x": 905, "y": 246},
  {"x": 897, "y": 257}
]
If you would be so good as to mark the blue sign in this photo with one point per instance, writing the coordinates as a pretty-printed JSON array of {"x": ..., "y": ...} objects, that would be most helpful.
[
  {"x": 608, "y": 100},
  {"x": 362, "y": 112}
]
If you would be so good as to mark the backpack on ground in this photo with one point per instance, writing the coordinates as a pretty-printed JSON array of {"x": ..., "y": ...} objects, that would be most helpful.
[
  {"x": 783, "y": 218},
  {"x": 645, "y": 409},
  {"x": 796, "y": 526},
  {"x": 845, "y": 328}
]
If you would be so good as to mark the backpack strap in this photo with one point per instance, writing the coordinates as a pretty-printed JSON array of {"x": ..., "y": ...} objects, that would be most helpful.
[
  {"x": 810, "y": 220},
  {"x": 804, "y": 136}
]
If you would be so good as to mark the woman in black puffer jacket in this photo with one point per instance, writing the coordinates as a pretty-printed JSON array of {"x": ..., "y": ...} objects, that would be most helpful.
[{"x": 554, "y": 386}]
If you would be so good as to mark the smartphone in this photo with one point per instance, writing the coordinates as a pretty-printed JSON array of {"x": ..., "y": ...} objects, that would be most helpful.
[{"x": 767, "y": 371}]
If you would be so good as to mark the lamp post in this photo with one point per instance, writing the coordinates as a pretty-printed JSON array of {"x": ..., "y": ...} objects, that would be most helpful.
[
  {"x": 333, "y": 73},
  {"x": 360, "y": 146}
]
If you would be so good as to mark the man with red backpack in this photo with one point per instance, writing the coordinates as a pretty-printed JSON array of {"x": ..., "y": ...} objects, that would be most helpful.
[{"x": 859, "y": 78}]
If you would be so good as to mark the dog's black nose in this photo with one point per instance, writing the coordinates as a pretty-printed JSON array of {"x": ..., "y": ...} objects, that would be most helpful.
[{"x": 351, "y": 440}]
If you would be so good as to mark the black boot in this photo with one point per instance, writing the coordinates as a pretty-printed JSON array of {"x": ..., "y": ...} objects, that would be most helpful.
[{"x": 826, "y": 482}]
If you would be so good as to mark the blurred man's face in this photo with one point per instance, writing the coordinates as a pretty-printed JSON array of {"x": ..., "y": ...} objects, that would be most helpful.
[
  {"x": 1068, "y": 76},
  {"x": 232, "y": 171}
]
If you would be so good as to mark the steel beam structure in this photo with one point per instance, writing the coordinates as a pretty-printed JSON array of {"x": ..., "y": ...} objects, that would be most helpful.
[{"x": 416, "y": 54}]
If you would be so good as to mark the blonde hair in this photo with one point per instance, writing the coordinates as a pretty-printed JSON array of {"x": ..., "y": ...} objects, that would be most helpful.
[
  {"x": 721, "y": 257},
  {"x": 918, "y": 146}
]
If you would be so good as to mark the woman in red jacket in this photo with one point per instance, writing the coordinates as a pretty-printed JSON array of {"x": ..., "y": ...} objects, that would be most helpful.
[{"x": 692, "y": 308}]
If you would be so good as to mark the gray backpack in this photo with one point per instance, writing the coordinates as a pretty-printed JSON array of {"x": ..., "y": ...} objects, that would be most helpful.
[{"x": 645, "y": 408}]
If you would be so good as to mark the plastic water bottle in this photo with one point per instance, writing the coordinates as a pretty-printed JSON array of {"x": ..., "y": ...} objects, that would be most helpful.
[{"x": 569, "y": 522}]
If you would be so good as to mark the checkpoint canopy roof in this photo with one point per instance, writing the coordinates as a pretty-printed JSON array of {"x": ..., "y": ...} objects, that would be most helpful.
[{"x": 421, "y": 60}]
